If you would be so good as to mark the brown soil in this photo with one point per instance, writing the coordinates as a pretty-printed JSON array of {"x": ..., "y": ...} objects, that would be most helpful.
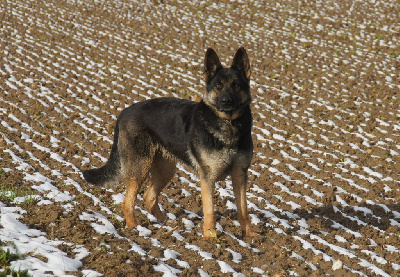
[{"x": 324, "y": 184}]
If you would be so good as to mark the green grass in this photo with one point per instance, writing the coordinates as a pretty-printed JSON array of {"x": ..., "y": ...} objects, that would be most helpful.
[
  {"x": 8, "y": 195},
  {"x": 6, "y": 257}
]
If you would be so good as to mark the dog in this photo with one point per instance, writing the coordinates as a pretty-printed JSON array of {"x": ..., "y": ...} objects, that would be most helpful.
[{"x": 212, "y": 137}]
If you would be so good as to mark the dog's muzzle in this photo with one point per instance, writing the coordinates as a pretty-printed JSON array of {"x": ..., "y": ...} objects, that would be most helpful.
[{"x": 226, "y": 104}]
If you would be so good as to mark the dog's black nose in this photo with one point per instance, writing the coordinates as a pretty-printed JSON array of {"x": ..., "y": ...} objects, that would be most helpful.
[{"x": 226, "y": 100}]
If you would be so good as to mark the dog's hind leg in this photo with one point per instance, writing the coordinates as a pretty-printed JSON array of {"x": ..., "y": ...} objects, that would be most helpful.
[
  {"x": 137, "y": 155},
  {"x": 128, "y": 205},
  {"x": 161, "y": 172},
  {"x": 133, "y": 183}
]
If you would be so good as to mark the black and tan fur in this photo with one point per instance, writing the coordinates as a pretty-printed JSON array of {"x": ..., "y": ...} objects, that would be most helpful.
[{"x": 212, "y": 137}]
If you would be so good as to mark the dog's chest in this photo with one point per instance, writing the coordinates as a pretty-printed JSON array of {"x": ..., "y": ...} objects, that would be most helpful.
[
  {"x": 219, "y": 153},
  {"x": 224, "y": 136},
  {"x": 215, "y": 148},
  {"x": 216, "y": 163}
]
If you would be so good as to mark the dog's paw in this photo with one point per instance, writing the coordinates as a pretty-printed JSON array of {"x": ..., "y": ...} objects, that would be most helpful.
[{"x": 210, "y": 235}]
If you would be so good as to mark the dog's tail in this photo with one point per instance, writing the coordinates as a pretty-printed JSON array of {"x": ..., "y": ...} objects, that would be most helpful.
[{"x": 108, "y": 175}]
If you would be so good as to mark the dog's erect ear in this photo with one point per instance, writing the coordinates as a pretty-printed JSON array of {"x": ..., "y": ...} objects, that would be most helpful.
[
  {"x": 241, "y": 63},
  {"x": 211, "y": 64}
]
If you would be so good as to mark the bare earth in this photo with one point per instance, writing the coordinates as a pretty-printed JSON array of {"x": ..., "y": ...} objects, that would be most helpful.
[{"x": 324, "y": 189}]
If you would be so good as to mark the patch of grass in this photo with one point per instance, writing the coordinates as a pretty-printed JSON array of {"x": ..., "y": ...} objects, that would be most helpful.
[
  {"x": 30, "y": 199},
  {"x": 183, "y": 93},
  {"x": 8, "y": 195},
  {"x": 6, "y": 257},
  {"x": 37, "y": 114},
  {"x": 379, "y": 36}
]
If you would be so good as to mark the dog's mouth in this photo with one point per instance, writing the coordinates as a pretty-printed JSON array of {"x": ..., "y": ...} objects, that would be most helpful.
[
  {"x": 227, "y": 109},
  {"x": 228, "y": 113}
]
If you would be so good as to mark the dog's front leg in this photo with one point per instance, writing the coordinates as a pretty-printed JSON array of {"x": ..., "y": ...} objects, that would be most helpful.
[
  {"x": 207, "y": 192},
  {"x": 239, "y": 183}
]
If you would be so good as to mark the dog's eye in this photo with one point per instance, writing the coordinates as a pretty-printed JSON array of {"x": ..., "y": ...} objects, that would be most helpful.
[
  {"x": 236, "y": 86},
  {"x": 218, "y": 86}
]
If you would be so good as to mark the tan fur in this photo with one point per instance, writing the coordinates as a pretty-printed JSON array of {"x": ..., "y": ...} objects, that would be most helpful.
[
  {"x": 207, "y": 189},
  {"x": 128, "y": 205},
  {"x": 239, "y": 181}
]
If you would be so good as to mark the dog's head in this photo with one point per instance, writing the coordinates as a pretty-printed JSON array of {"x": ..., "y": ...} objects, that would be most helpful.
[{"x": 227, "y": 89}]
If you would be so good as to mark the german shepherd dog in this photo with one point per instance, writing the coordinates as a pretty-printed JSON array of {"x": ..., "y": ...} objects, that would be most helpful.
[{"x": 212, "y": 137}]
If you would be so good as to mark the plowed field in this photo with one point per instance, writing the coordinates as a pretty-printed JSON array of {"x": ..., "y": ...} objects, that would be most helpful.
[{"x": 324, "y": 186}]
